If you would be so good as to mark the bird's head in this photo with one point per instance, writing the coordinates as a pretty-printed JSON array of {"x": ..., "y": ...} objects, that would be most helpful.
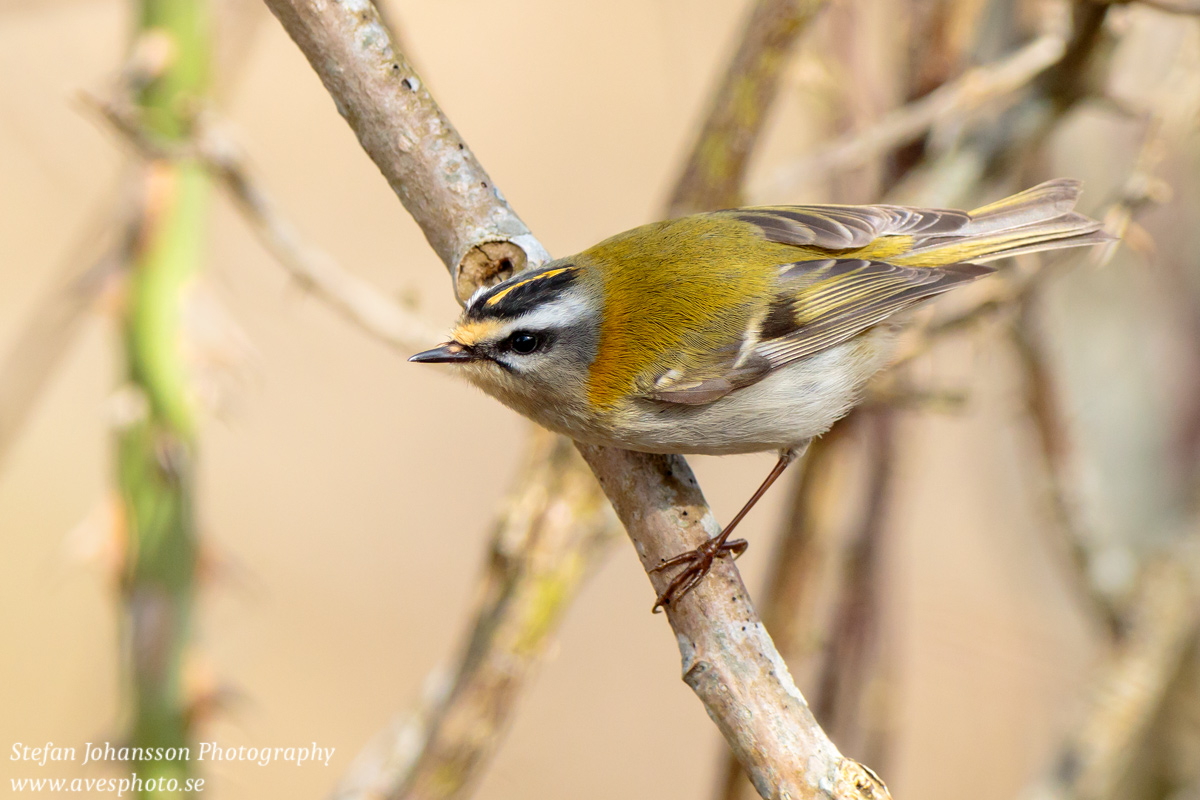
[{"x": 527, "y": 341}]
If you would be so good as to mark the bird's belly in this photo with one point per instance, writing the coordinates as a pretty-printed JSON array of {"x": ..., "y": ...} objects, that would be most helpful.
[{"x": 785, "y": 409}]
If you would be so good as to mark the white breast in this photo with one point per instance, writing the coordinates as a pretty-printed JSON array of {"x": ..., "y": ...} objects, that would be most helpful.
[{"x": 785, "y": 409}]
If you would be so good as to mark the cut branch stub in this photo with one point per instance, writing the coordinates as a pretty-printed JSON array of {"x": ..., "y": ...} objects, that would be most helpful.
[{"x": 487, "y": 264}]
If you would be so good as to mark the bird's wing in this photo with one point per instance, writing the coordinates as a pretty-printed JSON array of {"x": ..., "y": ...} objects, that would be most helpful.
[
  {"x": 821, "y": 302},
  {"x": 817, "y": 304},
  {"x": 847, "y": 227}
]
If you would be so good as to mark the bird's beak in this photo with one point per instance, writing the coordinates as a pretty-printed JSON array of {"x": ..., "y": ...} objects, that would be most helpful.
[{"x": 445, "y": 353}]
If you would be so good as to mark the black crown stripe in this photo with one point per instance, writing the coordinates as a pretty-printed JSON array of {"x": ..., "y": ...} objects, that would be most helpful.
[{"x": 522, "y": 292}]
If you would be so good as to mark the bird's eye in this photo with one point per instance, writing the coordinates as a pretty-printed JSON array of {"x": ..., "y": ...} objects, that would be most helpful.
[{"x": 524, "y": 343}]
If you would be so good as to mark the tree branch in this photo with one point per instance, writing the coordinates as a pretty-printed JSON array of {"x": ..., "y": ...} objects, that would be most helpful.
[
  {"x": 1132, "y": 684},
  {"x": 854, "y": 652},
  {"x": 800, "y": 567},
  {"x": 729, "y": 660},
  {"x": 714, "y": 171},
  {"x": 156, "y": 446},
  {"x": 478, "y": 236},
  {"x": 983, "y": 86},
  {"x": 1043, "y": 408},
  {"x": 550, "y": 536},
  {"x": 733, "y": 671},
  {"x": 355, "y": 299},
  {"x": 39, "y": 347}
]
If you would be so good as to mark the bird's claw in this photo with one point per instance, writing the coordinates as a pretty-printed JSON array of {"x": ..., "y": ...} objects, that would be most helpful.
[{"x": 698, "y": 563}]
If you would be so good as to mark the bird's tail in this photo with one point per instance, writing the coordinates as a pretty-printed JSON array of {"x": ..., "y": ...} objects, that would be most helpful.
[{"x": 1041, "y": 218}]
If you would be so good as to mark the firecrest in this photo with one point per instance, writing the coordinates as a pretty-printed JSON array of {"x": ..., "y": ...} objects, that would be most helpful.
[{"x": 733, "y": 331}]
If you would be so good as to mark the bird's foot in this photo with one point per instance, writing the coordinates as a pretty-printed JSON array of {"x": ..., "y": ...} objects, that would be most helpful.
[{"x": 698, "y": 563}]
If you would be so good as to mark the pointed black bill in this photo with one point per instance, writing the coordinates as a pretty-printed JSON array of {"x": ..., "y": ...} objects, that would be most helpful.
[{"x": 445, "y": 353}]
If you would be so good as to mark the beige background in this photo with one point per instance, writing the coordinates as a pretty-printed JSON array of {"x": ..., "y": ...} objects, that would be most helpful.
[{"x": 347, "y": 494}]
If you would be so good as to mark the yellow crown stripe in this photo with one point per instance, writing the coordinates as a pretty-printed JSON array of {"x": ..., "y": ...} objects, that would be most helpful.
[{"x": 496, "y": 298}]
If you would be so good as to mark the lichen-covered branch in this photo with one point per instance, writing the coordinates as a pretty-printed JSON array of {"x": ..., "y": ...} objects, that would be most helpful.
[
  {"x": 783, "y": 749},
  {"x": 400, "y": 126},
  {"x": 547, "y": 541},
  {"x": 715, "y": 169}
]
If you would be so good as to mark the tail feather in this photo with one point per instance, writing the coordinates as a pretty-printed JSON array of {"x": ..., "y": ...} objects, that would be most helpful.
[
  {"x": 1040, "y": 203},
  {"x": 1037, "y": 219}
]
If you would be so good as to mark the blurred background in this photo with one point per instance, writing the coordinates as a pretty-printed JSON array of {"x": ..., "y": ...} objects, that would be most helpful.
[{"x": 990, "y": 550}]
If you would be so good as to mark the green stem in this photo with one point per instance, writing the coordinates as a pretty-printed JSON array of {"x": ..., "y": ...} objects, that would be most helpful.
[{"x": 156, "y": 451}]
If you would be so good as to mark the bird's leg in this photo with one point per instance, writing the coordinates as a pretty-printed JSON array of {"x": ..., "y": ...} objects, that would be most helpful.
[{"x": 700, "y": 560}]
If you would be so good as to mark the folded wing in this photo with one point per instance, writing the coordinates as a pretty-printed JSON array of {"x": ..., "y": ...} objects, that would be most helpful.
[{"x": 818, "y": 304}]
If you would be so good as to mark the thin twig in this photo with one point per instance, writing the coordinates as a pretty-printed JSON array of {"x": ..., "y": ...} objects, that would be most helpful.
[
  {"x": 984, "y": 86},
  {"x": 1044, "y": 411},
  {"x": 1132, "y": 684},
  {"x": 854, "y": 652},
  {"x": 733, "y": 670},
  {"x": 714, "y": 171},
  {"x": 1169, "y": 119},
  {"x": 1173, "y": 6},
  {"x": 357, "y": 300},
  {"x": 39, "y": 347}
]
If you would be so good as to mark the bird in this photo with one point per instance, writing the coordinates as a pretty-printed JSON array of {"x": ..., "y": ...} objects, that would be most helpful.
[{"x": 743, "y": 330}]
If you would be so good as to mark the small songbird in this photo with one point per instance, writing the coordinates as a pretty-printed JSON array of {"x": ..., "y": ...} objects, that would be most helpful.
[{"x": 733, "y": 331}]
